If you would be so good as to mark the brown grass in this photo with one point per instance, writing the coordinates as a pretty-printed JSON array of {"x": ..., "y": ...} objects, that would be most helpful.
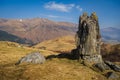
[
  {"x": 53, "y": 69},
  {"x": 111, "y": 52},
  {"x": 62, "y": 44}
]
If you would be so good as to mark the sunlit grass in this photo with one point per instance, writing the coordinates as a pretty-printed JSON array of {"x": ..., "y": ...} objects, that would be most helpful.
[
  {"x": 53, "y": 69},
  {"x": 62, "y": 44}
]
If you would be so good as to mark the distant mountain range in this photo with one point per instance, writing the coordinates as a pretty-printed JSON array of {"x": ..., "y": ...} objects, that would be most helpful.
[
  {"x": 33, "y": 31},
  {"x": 111, "y": 34},
  {"x": 36, "y": 30}
]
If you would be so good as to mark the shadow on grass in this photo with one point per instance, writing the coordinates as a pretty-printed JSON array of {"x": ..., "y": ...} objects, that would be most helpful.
[{"x": 73, "y": 55}]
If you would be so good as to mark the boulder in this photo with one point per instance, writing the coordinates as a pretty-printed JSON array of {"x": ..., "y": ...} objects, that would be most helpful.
[
  {"x": 35, "y": 58},
  {"x": 113, "y": 66},
  {"x": 102, "y": 66},
  {"x": 112, "y": 75}
]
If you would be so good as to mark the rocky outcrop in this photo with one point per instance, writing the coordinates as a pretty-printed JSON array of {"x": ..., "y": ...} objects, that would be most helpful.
[
  {"x": 88, "y": 45},
  {"x": 113, "y": 66},
  {"x": 88, "y": 38},
  {"x": 35, "y": 58},
  {"x": 112, "y": 75},
  {"x": 102, "y": 66}
]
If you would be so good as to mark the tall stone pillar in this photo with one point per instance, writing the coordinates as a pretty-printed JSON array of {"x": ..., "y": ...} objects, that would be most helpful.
[
  {"x": 88, "y": 44},
  {"x": 88, "y": 38}
]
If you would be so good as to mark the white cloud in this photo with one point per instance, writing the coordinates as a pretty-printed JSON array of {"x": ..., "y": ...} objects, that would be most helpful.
[
  {"x": 79, "y": 8},
  {"x": 59, "y": 6}
]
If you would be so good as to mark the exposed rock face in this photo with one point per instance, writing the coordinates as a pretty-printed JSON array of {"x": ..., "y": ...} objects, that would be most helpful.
[
  {"x": 88, "y": 38},
  {"x": 88, "y": 43},
  {"x": 36, "y": 58}
]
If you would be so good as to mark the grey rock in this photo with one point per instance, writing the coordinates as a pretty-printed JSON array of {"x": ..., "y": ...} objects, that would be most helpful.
[
  {"x": 113, "y": 66},
  {"x": 36, "y": 58},
  {"x": 93, "y": 58},
  {"x": 88, "y": 38},
  {"x": 112, "y": 75},
  {"x": 102, "y": 66},
  {"x": 88, "y": 44}
]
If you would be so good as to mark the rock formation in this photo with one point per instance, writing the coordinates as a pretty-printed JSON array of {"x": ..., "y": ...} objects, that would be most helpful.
[
  {"x": 35, "y": 58},
  {"x": 112, "y": 75},
  {"x": 88, "y": 44},
  {"x": 88, "y": 38}
]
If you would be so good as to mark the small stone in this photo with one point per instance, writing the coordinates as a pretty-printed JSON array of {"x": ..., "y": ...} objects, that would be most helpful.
[{"x": 112, "y": 75}]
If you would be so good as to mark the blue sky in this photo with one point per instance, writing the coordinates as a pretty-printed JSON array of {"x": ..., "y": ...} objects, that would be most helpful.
[{"x": 108, "y": 11}]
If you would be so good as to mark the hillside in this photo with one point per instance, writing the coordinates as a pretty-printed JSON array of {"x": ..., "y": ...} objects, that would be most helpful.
[
  {"x": 67, "y": 43},
  {"x": 5, "y": 36},
  {"x": 62, "y": 44},
  {"x": 36, "y": 29},
  {"x": 111, "y": 52},
  {"x": 55, "y": 69}
]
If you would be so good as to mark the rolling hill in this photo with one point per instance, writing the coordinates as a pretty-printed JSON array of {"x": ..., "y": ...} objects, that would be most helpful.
[
  {"x": 5, "y": 36},
  {"x": 61, "y": 44}
]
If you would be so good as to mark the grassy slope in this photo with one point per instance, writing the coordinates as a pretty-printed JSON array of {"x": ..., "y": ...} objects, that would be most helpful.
[
  {"x": 62, "y": 44},
  {"x": 55, "y": 69}
]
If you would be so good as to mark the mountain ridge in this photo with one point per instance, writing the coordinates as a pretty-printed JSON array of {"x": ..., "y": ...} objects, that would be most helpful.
[{"x": 37, "y": 29}]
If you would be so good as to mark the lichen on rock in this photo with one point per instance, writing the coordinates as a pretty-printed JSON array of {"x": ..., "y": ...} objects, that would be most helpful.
[{"x": 88, "y": 38}]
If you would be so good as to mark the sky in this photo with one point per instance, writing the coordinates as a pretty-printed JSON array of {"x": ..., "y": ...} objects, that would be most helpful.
[{"x": 108, "y": 11}]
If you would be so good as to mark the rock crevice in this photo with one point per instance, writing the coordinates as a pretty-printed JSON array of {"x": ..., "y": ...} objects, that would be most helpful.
[{"x": 88, "y": 38}]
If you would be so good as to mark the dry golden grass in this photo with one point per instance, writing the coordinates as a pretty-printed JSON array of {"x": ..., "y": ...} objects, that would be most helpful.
[
  {"x": 54, "y": 69},
  {"x": 10, "y": 52},
  {"x": 51, "y": 70},
  {"x": 62, "y": 44}
]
